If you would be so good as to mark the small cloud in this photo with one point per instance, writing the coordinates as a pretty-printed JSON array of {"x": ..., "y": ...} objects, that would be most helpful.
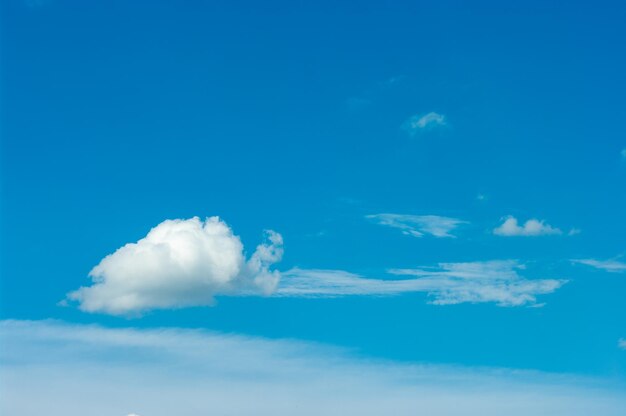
[
  {"x": 420, "y": 123},
  {"x": 418, "y": 225},
  {"x": 623, "y": 153},
  {"x": 611, "y": 266},
  {"x": 574, "y": 231},
  {"x": 180, "y": 263},
  {"x": 531, "y": 228},
  {"x": 481, "y": 197},
  {"x": 622, "y": 343},
  {"x": 448, "y": 284}
]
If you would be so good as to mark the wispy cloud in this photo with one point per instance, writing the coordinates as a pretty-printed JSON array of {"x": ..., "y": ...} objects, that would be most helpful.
[
  {"x": 370, "y": 96},
  {"x": 531, "y": 228},
  {"x": 34, "y": 4},
  {"x": 392, "y": 81},
  {"x": 418, "y": 225},
  {"x": 622, "y": 343},
  {"x": 425, "y": 122},
  {"x": 52, "y": 368},
  {"x": 612, "y": 266},
  {"x": 623, "y": 153},
  {"x": 358, "y": 103},
  {"x": 448, "y": 283},
  {"x": 179, "y": 263}
]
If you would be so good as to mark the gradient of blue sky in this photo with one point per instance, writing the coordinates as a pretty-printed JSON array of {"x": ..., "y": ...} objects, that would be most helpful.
[{"x": 293, "y": 116}]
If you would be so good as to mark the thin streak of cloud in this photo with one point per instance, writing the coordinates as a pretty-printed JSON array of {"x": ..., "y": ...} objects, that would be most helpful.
[
  {"x": 419, "y": 225},
  {"x": 496, "y": 282},
  {"x": 611, "y": 266}
]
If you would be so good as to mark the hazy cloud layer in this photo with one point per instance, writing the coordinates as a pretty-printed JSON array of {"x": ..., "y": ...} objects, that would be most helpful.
[
  {"x": 180, "y": 263},
  {"x": 449, "y": 283},
  {"x": 612, "y": 266},
  {"x": 531, "y": 228},
  {"x": 51, "y": 368},
  {"x": 419, "y": 225}
]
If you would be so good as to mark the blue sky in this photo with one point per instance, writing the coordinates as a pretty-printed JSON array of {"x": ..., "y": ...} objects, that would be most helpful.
[{"x": 447, "y": 182}]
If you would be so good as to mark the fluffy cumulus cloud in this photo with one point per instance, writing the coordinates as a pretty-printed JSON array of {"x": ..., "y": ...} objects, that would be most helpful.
[
  {"x": 418, "y": 225},
  {"x": 531, "y": 228},
  {"x": 448, "y": 283},
  {"x": 77, "y": 370},
  {"x": 424, "y": 122},
  {"x": 180, "y": 263},
  {"x": 612, "y": 266}
]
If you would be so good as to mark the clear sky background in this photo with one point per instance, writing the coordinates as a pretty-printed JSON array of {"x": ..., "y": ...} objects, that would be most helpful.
[{"x": 313, "y": 119}]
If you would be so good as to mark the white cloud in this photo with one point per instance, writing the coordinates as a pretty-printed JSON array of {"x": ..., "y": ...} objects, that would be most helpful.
[
  {"x": 449, "y": 283},
  {"x": 179, "y": 263},
  {"x": 622, "y": 343},
  {"x": 51, "y": 368},
  {"x": 531, "y": 228},
  {"x": 418, "y": 225},
  {"x": 420, "y": 123},
  {"x": 612, "y": 266}
]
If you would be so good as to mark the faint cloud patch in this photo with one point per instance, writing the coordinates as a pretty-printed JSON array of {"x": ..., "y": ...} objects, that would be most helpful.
[
  {"x": 357, "y": 103},
  {"x": 368, "y": 97},
  {"x": 35, "y": 4},
  {"x": 392, "y": 82},
  {"x": 420, "y": 123}
]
